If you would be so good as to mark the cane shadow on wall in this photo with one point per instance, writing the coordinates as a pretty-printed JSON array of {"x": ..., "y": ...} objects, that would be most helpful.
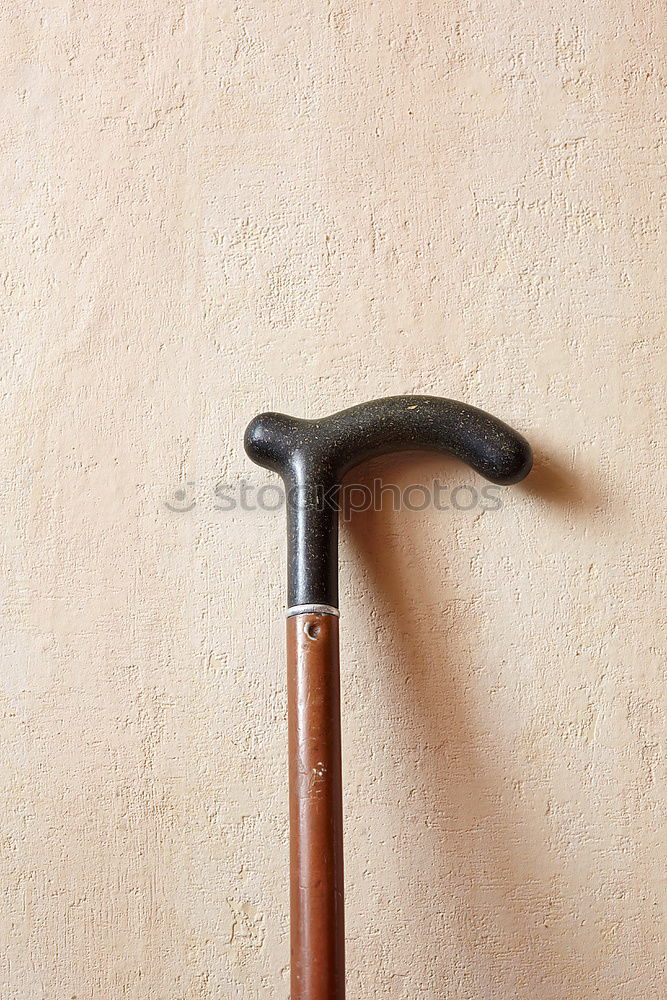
[{"x": 488, "y": 849}]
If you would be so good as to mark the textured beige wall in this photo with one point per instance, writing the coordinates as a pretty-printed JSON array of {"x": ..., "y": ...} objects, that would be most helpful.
[{"x": 209, "y": 210}]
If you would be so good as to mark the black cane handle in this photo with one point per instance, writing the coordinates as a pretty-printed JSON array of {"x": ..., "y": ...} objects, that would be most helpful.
[{"x": 312, "y": 456}]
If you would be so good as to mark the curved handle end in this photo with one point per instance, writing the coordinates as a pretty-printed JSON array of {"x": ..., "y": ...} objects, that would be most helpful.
[
  {"x": 512, "y": 462},
  {"x": 270, "y": 440}
]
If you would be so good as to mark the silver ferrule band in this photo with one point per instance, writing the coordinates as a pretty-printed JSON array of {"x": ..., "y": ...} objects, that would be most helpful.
[{"x": 312, "y": 609}]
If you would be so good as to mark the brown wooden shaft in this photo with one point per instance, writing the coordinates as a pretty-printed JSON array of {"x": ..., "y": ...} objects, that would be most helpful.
[{"x": 316, "y": 812}]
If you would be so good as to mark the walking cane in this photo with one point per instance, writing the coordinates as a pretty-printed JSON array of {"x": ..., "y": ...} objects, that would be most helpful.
[{"x": 312, "y": 456}]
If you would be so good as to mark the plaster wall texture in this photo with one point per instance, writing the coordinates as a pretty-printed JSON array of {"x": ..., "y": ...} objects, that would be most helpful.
[{"x": 210, "y": 209}]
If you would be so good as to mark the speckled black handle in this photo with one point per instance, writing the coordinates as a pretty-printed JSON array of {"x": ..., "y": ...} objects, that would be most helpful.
[{"x": 312, "y": 456}]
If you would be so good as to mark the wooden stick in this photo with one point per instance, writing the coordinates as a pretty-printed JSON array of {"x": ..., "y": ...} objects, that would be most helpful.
[{"x": 316, "y": 812}]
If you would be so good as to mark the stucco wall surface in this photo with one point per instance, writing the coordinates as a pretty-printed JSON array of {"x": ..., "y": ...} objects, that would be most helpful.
[{"x": 210, "y": 209}]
